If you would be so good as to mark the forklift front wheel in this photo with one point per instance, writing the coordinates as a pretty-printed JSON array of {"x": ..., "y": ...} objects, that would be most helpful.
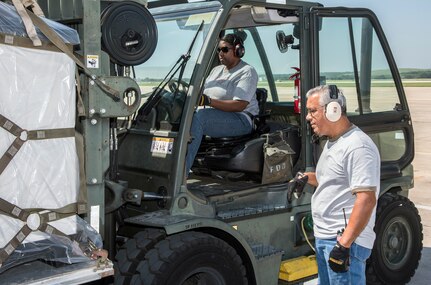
[{"x": 191, "y": 257}]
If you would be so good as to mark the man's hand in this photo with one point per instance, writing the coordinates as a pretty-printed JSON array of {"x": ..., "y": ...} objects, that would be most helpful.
[
  {"x": 339, "y": 258},
  {"x": 204, "y": 100},
  {"x": 296, "y": 186}
]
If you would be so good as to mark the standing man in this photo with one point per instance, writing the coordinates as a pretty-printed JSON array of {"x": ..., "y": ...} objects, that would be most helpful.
[
  {"x": 230, "y": 96},
  {"x": 347, "y": 178}
]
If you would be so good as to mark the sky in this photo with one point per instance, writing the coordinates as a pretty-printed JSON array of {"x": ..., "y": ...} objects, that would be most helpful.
[{"x": 407, "y": 26}]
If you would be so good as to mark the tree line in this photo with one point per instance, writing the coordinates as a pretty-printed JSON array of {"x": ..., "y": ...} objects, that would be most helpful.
[{"x": 406, "y": 73}]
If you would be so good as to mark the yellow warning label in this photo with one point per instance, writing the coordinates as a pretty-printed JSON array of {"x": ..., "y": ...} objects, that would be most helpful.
[
  {"x": 92, "y": 61},
  {"x": 162, "y": 145}
]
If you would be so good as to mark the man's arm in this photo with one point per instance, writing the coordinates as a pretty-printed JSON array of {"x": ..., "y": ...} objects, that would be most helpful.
[
  {"x": 311, "y": 178},
  {"x": 361, "y": 213},
  {"x": 229, "y": 105}
]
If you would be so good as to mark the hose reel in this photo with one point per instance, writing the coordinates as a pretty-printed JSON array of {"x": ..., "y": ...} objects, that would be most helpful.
[{"x": 129, "y": 33}]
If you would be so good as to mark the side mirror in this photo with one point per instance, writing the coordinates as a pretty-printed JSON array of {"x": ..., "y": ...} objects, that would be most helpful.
[{"x": 284, "y": 41}]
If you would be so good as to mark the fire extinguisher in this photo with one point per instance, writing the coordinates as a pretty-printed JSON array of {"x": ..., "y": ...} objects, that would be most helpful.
[{"x": 297, "y": 90}]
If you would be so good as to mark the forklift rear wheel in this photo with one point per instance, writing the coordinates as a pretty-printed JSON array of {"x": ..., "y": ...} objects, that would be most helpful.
[
  {"x": 397, "y": 249},
  {"x": 191, "y": 258}
]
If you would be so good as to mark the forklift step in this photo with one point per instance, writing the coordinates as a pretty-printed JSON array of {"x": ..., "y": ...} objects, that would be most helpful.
[{"x": 298, "y": 268}]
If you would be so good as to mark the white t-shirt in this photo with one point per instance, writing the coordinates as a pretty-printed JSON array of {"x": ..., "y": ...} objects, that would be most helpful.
[
  {"x": 238, "y": 83},
  {"x": 351, "y": 162}
]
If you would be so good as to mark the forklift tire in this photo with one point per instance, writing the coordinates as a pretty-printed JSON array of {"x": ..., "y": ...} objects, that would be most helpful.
[
  {"x": 133, "y": 251},
  {"x": 191, "y": 258},
  {"x": 397, "y": 249}
]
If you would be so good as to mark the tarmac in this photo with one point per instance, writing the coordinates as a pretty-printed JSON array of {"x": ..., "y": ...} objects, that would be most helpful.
[{"x": 419, "y": 99}]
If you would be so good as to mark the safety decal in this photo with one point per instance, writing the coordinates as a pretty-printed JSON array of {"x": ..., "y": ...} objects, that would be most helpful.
[
  {"x": 92, "y": 61},
  {"x": 162, "y": 145}
]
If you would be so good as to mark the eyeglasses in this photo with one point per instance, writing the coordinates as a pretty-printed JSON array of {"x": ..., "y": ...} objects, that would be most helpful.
[
  {"x": 312, "y": 112},
  {"x": 223, "y": 49}
]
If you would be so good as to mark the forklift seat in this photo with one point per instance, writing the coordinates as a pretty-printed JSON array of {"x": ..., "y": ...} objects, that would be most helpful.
[{"x": 259, "y": 125}]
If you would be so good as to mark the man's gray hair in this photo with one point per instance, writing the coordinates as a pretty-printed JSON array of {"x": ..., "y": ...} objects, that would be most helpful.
[{"x": 325, "y": 96}]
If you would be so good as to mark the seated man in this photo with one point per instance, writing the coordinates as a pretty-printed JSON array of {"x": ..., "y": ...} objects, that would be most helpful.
[{"x": 230, "y": 91}]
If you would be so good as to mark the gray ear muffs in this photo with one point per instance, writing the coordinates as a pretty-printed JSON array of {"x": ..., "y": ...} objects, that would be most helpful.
[{"x": 333, "y": 109}]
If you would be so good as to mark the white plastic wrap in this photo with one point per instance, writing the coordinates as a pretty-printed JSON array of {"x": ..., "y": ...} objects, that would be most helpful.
[
  {"x": 37, "y": 92},
  {"x": 57, "y": 248},
  {"x": 11, "y": 24}
]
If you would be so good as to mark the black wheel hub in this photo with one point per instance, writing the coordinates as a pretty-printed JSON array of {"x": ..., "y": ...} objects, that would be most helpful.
[
  {"x": 397, "y": 243},
  {"x": 204, "y": 276}
]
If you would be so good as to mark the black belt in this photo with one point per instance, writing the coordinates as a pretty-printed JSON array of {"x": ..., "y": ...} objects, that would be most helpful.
[
  {"x": 249, "y": 114},
  {"x": 253, "y": 125}
]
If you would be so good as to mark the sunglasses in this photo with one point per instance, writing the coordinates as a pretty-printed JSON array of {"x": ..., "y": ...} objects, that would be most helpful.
[{"x": 223, "y": 49}]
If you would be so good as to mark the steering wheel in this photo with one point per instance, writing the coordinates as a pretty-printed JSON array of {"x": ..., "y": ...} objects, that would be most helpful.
[
  {"x": 170, "y": 103},
  {"x": 181, "y": 86}
]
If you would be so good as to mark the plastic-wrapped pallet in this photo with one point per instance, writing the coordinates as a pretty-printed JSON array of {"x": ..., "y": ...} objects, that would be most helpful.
[
  {"x": 39, "y": 167},
  {"x": 11, "y": 24}
]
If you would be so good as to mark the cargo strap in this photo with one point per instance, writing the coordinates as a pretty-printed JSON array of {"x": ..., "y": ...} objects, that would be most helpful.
[
  {"x": 82, "y": 195},
  {"x": 79, "y": 102},
  {"x": 34, "y": 6},
  {"x": 58, "y": 42},
  {"x": 23, "y": 135},
  {"x": 34, "y": 220},
  {"x": 34, "y": 18},
  {"x": 20, "y": 6},
  {"x": 41, "y": 217},
  {"x": 18, "y": 41}
]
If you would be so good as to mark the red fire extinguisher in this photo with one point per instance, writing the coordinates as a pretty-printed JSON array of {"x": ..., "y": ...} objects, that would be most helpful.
[{"x": 297, "y": 90}]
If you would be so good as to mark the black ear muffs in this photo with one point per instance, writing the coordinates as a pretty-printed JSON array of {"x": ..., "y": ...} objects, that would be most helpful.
[
  {"x": 333, "y": 109},
  {"x": 239, "y": 46},
  {"x": 239, "y": 50}
]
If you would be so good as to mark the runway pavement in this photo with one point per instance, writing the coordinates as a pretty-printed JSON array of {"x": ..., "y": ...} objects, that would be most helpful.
[{"x": 419, "y": 99}]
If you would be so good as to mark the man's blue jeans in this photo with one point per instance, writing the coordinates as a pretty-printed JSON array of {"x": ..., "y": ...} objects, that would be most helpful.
[
  {"x": 215, "y": 123},
  {"x": 356, "y": 273}
]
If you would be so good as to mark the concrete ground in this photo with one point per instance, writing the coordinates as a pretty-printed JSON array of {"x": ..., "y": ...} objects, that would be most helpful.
[{"x": 420, "y": 106}]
